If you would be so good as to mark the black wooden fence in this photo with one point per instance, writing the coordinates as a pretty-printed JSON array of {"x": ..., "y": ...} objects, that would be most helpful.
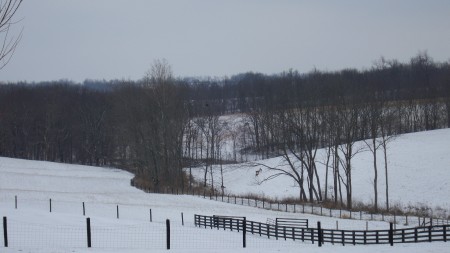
[{"x": 389, "y": 236}]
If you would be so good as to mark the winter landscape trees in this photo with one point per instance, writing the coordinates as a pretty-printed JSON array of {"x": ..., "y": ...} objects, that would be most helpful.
[{"x": 159, "y": 125}]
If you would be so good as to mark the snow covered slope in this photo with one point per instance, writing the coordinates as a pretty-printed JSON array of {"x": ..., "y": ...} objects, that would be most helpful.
[
  {"x": 419, "y": 173},
  {"x": 32, "y": 228}
]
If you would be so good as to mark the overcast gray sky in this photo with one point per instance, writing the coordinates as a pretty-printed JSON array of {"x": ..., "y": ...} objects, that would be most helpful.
[{"x": 119, "y": 39}]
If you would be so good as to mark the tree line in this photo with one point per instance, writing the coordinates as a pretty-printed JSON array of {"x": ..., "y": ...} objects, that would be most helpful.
[{"x": 159, "y": 125}]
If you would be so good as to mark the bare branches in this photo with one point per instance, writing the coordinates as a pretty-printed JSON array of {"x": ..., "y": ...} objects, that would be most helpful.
[
  {"x": 9, "y": 44},
  {"x": 159, "y": 74}
]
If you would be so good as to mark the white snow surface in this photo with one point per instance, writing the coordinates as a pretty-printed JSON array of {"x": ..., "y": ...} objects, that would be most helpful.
[
  {"x": 418, "y": 169},
  {"x": 32, "y": 228}
]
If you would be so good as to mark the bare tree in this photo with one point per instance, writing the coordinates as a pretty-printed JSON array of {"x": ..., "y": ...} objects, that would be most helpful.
[
  {"x": 387, "y": 135},
  {"x": 8, "y": 9},
  {"x": 349, "y": 115},
  {"x": 372, "y": 111}
]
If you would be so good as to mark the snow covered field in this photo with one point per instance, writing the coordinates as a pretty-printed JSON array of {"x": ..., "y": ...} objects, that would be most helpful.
[
  {"x": 419, "y": 174},
  {"x": 32, "y": 228}
]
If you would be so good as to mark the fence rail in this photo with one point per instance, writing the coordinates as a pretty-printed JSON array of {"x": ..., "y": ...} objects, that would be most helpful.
[
  {"x": 316, "y": 209},
  {"x": 319, "y": 235}
]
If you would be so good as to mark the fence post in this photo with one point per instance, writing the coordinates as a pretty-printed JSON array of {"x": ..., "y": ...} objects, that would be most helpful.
[
  {"x": 182, "y": 219},
  {"x": 84, "y": 210},
  {"x": 5, "y": 231},
  {"x": 445, "y": 232},
  {"x": 391, "y": 234},
  {"x": 244, "y": 232},
  {"x": 276, "y": 231},
  {"x": 319, "y": 234},
  {"x": 50, "y": 205},
  {"x": 429, "y": 233},
  {"x": 168, "y": 233},
  {"x": 15, "y": 201},
  {"x": 117, "y": 211},
  {"x": 415, "y": 235},
  {"x": 88, "y": 227},
  {"x": 151, "y": 215}
]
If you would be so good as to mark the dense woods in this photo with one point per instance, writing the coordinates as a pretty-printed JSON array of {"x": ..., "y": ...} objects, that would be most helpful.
[{"x": 159, "y": 125}]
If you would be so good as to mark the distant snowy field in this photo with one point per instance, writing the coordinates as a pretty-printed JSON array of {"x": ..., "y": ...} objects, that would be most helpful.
[
  {"x": 32, "y": 228},
  {"x": 419, "y": 173}
]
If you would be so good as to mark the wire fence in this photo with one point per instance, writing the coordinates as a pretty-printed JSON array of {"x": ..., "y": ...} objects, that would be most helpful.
[
  {"x": 156, "y": 235},
  {"x": 93, "y": 208},
  {"x": 62, "y": 232},
  {"x": 420, "y": 217},
  {"x": 314, "y": 209}
]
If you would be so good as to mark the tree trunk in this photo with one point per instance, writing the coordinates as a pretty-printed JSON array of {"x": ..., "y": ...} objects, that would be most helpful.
[
  {"x": 386, "y": 173},
  {"x": 375, "y": 179},
  {"x": 326, "y": 173}
]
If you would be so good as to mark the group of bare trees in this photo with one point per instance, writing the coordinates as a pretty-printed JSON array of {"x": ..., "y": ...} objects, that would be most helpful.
[
  {"x": 336, "y": 117},
  {"x": 159, "y": 125},
  {"x": 134, "y": 125}
]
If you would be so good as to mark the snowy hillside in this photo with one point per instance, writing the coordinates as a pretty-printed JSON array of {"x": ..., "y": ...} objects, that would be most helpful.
[
  {"x": 33, "y": 228},
  {"x": 419, "y": 173}
]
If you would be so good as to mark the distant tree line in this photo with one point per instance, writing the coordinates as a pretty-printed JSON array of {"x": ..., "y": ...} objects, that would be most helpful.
[{"x": 158, "y": 125}]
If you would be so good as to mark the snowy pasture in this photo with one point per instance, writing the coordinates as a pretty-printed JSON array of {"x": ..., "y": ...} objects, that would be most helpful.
[
  {"x": 418, "y": 165},
  {"x": 33, "y": 228}
]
